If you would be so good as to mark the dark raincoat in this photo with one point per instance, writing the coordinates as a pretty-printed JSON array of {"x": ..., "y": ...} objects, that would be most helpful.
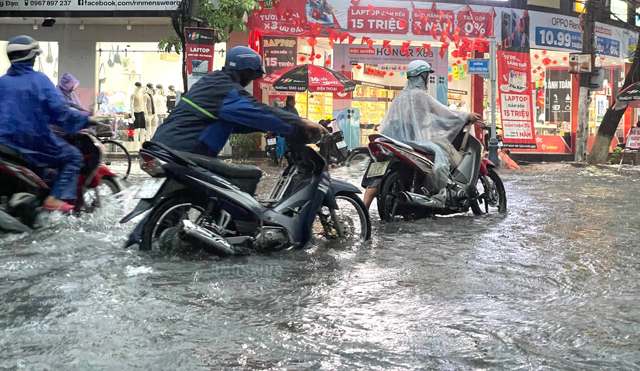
[
  {"x": 215, "y": 107},
  {"x": 29, "y": 104}
]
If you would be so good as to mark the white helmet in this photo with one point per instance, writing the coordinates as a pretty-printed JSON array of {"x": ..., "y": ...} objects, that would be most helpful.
[
  {"x": 22, "y": 48},
  {"x": 415, "y": 68}
]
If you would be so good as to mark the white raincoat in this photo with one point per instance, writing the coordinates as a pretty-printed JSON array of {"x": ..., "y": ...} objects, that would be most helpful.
[{"x": 418, "y": 118}]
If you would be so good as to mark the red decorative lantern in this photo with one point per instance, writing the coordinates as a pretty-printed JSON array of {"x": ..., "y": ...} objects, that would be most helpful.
[
  {"x": 390, "y": 73},
  {"x": 464, "y": 58},
  {"x": 602, "y": 58},
  {"x": 359, "y": 67},
  {"x": 542, "y": 74},
  {"x": 311, "y": 58},
  {"x": 544, "y": 52},
  {"x": 384, "y": 73},
  {"x": 303, "y": 58},
  {"x": 328, "y": 62},
  {"x": 555, "y": 62},
  {"x": 312, "y": 41},
  {"x": 565, "y": 59},
  {"x": 455, "y": 54},
  {"x": 546, "y": 61},
  {"x": 536, "y": 56},
  {"x": 318, "y": 56}
]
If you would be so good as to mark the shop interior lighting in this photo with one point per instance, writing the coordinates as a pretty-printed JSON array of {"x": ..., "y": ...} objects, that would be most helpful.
[
  {"x": 129, "y": 26},
  {"x": 35, "y": 25},
  {"x": 81, "y": 25}
]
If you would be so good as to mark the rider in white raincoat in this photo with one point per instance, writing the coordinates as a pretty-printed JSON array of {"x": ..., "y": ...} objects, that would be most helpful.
[{"x": 416, "y": 117}]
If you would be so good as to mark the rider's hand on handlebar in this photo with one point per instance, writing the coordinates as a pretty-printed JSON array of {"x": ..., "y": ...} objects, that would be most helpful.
[
  {"x": 473, "y": 117},
  {"x": 313, "y": 131},
  {"x": 92, "y": 121}
]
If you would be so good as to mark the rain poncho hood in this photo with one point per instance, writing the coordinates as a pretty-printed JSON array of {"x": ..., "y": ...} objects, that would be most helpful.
[
  {"x": 67, "y": 86},
  {"x": 416, "y": 117},
  {"x": 29, "y": 104}
]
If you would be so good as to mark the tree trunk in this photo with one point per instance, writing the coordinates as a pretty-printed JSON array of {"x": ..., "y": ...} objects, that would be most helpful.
[{"x": 600, "y": 151}]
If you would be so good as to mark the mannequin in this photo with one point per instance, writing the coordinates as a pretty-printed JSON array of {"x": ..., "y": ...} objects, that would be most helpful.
[
  {"x": 138, "y": 113},
  {"x": 151, "y": 119},
  {"x": 160, "y": 102},
  {"x": 171, "y": 98}
]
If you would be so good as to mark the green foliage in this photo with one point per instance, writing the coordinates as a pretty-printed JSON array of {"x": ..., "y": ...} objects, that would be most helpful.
[
  {"x": 228, "y": 17},
  {"x": 616, "y": 156},
  {"x": 242, "y": 144}
]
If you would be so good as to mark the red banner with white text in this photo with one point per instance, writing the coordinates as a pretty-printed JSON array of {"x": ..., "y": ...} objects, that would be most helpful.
[{"x": 514, "y": 83}]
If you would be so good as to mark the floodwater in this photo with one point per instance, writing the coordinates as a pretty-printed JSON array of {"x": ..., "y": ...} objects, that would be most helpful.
[{"x": 551, "y": 285}]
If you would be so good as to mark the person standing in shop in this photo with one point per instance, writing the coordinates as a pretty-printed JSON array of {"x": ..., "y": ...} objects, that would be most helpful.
[
  {"x": 138, "y": 114},
  {"x": 150, "y": 112},
  {"x": 290, "y": 105},
  {"x": 160, "y": 102}
]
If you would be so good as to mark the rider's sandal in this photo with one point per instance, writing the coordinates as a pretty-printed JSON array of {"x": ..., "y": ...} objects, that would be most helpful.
[{"x": 64, "y": 208}]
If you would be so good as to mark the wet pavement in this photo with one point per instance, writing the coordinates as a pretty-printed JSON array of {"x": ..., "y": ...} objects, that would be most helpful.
[{"x": 551, "y": 285}]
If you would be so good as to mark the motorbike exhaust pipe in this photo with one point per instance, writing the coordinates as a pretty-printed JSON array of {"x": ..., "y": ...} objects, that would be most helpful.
[
  {"x": 414, "y": 199},
  {"x": 221, "y": 246}
]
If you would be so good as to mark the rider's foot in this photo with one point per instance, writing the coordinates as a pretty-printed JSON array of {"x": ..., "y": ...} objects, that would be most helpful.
[{"x": 53, "y": 204}]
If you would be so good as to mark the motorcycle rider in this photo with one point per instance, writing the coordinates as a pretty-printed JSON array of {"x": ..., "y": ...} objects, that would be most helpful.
[
  {"x": 414, "y": 115},
  {"x": 29, "y": 104},
  {"x": 218, "y": 105}
]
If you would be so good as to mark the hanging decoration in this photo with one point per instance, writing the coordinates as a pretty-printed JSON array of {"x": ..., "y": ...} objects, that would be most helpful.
[
  {"x": 546, "y": 61},
  {"x": 443, "y": 50}
]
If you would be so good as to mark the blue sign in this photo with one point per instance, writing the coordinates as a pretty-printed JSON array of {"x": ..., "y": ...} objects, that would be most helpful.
[
  {"x": 571, "y": 40},
  {"x": 478, "y": 66}
]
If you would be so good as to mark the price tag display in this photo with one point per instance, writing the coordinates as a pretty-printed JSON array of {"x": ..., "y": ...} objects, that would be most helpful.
[{"x": 558, "y": 38}]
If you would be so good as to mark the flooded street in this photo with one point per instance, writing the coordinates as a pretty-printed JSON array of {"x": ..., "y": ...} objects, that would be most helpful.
[{"x": 551, "y": 285}]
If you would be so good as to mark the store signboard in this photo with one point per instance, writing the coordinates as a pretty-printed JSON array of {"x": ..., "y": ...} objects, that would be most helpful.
[
  {"x": 200, "y": 52},
  {"x": 559, "y": 32},
  {"x": 514, "y": 81},
  {"x": 279, "y": 53},
  {"x": 87, "y": 5},
  {"x": 378, "y": 20},
  {"x": 558, "y": 96},
  {"x": 347, "y": 54}
]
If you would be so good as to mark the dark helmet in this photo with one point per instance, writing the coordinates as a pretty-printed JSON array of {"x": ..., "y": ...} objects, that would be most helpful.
[
  {"x": 242, "y": 58},
  {"x": 22, "y": 48}
]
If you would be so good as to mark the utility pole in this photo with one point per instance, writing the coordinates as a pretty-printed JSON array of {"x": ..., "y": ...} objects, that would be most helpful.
[
  {"x": 193, "y": 13},
  {"x": 493, "y": 142},
  {"x": 588, "y": 47}
]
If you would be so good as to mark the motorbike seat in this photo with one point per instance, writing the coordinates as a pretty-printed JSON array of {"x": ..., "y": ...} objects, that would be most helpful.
[
  {"x": 414, "y": 146},
  {"x": 227, "y": 170},
  {"x": 14, "y": 155}
]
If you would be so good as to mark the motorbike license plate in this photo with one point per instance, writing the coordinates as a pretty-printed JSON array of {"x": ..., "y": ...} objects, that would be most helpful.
[
  {"x": 341, "y": 144},
  {"x": 150, "y": 188},
  {"x": 271, "y": 141},
  {"x": 377, "y": 169}
]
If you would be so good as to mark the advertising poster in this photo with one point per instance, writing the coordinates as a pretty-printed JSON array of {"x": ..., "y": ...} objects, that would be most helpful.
[
  {"x": 279, "y": 53},
  {"x": 200, "y": 51},
  {"x": 514, "y": 81},
  {"x": 633, "y": 139},
  {"x": 558, "y": 97}
]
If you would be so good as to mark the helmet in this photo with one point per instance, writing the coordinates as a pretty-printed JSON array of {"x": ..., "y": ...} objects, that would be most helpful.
[
  {"x": 415, "y": 68},
  {"x": 242, "y": 58},
  {"x": 22, "y": 48}
]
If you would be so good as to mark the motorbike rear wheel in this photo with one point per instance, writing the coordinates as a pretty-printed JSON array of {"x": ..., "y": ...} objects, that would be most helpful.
[
  {"x": 388, "y": 205},
  {"x": 492, "y": 194}
]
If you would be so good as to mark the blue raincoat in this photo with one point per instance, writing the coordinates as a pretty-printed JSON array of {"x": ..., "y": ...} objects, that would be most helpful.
[{"x": 29, "y": 104}]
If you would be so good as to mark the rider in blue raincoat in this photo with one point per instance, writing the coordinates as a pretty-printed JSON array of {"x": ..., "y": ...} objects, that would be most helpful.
[{"x": 29, "y": 104}]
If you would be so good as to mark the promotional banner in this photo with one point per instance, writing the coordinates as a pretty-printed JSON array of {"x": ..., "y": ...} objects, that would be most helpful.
[
  {"x": 279, "y": 53},
  {"x": 200, "y": 51},
  {"x": 514, "y": 81},
  {"x": 87, "y": 5},
  {"x": 379, "y": 55},
  {"x": 562, "y": 33},
  {"x": 558, "y": 98}
]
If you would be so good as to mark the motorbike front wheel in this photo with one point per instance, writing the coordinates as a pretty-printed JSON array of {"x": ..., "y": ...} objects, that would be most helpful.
[
  {"x": 352, "y": 216},
  {"x": 492, "y": 194}
]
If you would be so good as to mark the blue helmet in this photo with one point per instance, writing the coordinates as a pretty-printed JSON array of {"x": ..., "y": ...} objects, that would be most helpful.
[
  {"x": 22, "y": 48},
  {"x": 242, "y": 58}
]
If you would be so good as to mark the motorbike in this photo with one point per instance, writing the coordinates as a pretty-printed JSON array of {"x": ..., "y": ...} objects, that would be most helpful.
[
  {"x": 208, "y": 204},
  {"x": 402, "y": 174},
  {"x": 333, "y": 148},
  {"x": 272, "y": 148},
  {"x": 22, "y": 191}
]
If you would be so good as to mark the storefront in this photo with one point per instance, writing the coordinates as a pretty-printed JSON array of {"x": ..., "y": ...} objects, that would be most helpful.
[{"x": 537, "y": 43}]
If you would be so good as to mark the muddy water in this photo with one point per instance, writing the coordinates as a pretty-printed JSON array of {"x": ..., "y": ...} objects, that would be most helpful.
[{"x": 551, "y": 285}]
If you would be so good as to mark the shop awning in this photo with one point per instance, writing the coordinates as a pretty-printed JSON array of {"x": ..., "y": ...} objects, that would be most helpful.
[{"x": 308, "y": 77}]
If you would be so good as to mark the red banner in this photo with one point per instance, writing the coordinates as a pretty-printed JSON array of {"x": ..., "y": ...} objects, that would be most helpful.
[
  {"x": 480, "y": 24},
  {"x": 427, "y": 20},
  {"x": 515, "y": 87},
  {"x": 378, "y": 20},
  {"x": 200, "y": 52},
  {"x": 633, "y": 139}
]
